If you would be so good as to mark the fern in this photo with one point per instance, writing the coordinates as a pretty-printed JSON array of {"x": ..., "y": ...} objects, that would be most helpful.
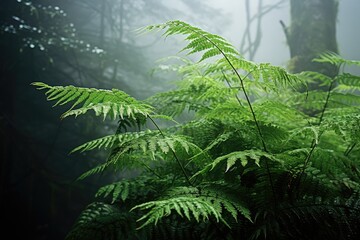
[
  {"x": 240, "y": 156},
  {"x": 265, "y": 160},
  {"x": 114, "y": 103},
  {"x": 191, "y": 204},
  {"x": 199, "y": 40},
  {"x": 102, "y": 221},
  {"x": 119, "y": 189},
  {"x": 335, "y": 59}
]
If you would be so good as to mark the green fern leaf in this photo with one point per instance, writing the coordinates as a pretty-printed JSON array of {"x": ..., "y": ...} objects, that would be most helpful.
[
  {"x": 200, "y": 209},
  {"x": 99, "y": 221},
  {"x": 113, "y": 103},
  {"x": 243, "y": 156},
  {"x": 199, "y": 40},
  {"x": 119, "y": 189},
  {"x": 111, "y": 140},
  {"x": 348, "y": 83},
  {"x": 335, "y": 59}
]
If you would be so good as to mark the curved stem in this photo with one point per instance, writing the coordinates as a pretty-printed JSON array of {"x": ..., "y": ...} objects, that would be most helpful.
[
  {"x": 244, "y": 91},
  {"x": 174, "y": 154},
  {"x": 252, "y": 113},
  {"x": 326, "y": 101},
  {"x": 314, "y": 143}
]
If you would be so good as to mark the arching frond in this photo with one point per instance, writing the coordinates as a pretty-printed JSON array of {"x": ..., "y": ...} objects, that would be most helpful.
[
  {"x": 131, "y": 189},
  {"x": 102, "y": 221},
  {"x": 279, "y": 114},
  {"x": 316, "y": 77},
  {"x": 199, "y": 40},
  {"x": 113, "y": 103},
  {"x": 348, "y": 83},
  {"x": 263, "y": 75},
  {"x": 111, "y": 140},
  {"x": 190, "y": 207},
  {"x": 190, "y": 202},
  {"x": 196, "y": 93},
  {"x": 335, "y": 59},
  {"x": 255, "y": 155}
]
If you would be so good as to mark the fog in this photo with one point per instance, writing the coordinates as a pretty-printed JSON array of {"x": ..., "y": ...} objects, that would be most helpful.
[{"x": 88, "y": 43}]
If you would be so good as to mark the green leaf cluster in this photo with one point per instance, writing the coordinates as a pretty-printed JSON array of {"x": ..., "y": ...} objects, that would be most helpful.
[{"x": 259, "y": 158}]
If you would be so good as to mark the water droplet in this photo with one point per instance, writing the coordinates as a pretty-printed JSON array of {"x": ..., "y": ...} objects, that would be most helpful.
[
  {"x": 31, "y": 45},
  {"x": 57, "y": 8},
  {"x": 97, "y": 50},
  {"x": 18, "y": 19}
]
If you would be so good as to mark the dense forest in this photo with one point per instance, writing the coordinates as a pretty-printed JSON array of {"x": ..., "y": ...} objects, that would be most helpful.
[{"x": 138, "y": 120}]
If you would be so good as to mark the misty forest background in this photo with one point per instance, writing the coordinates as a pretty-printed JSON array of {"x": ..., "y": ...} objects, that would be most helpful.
[{"x": 93, "y": 43}]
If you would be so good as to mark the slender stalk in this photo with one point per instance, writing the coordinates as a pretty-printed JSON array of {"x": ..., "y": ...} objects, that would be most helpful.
[
  {"x": 314, "y": 144},
  {"x": 174, "y": 154},
  {"x": 326, "y": 102},
  {"x": 150, "y": 169},
  {"x": 229, "y": 84},
  {"x": 244, "y": 91},
  {"x": 349, "y": 149},
  {"x": 252, "y": 113}
]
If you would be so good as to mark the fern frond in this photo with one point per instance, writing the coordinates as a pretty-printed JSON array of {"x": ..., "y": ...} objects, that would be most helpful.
[
  {"x": 102, "y": 221},
  {"x": 315, "y": 100},
  {"x": 229, "y": 113},
  {"x": 119, "y": 189},
  {"x": 344, "y": 100},
  {"x": 133, "y": 189},
  {"x": 263, "y": 76},
  {"x": 111, "y": 140},
  {"x": 98, "y": 169},
  {"x": 190, "y": 202},
  {"x": 344, "y": 124},
  {"x": 199, "y": 40},
  {"x": 157, "y": 143},
  {"x": 113, "y": 103},
  {"x": 275, "y": 77},
  {"x": 189, "y": 207},
  {"x": 279, "y": 114},
  {"x": 197, "y": 93},
  {"x": 316, "y": 77},
  {"x": 335, "y": 59},
  {"x": 348, "y": 83},
  {"x": 308, "y": 132},
  {"x": 243, "y": 157}
]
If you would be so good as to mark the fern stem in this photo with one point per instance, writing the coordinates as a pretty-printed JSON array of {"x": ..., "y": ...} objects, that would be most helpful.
[
  {"x": 252, "y": 113},
  {"x": 174, "y": 154},
  {"x": 349, "y": 149},
  {"x": 150, "y": 169},
  {"x": 229, "y": 84},
  {"x": 244, "y": 90},
  {"x": 326, "y": 102},
  {"x": 314, "y": 144}
]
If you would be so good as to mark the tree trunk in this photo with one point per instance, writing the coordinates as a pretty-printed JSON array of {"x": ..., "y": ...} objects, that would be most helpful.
[{"x": 312, "y": 31}]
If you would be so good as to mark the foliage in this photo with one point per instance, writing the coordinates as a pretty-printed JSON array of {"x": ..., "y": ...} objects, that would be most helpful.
[{"x": 259, "y": 159}]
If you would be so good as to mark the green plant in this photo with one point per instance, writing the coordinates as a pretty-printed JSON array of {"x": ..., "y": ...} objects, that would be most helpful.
[{"x": 259, "y": 159}]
